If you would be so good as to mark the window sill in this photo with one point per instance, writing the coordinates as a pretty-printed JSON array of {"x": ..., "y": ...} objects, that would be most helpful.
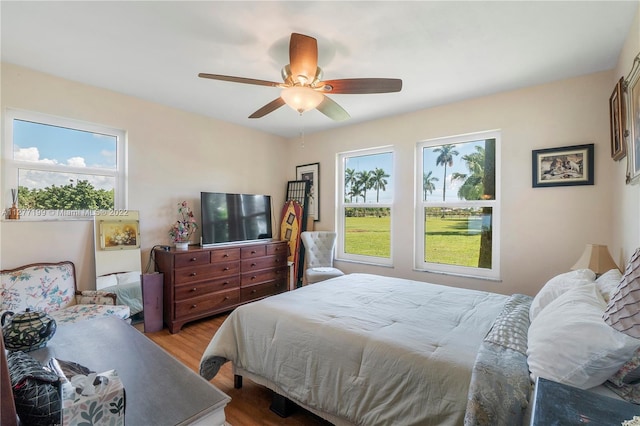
[{"x": 455, "y": 274}]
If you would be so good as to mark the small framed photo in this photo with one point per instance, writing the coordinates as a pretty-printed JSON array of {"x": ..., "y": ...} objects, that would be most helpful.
[
  {"x": 119, "y": 234},
  {"x": 617, "y": 118},
  {"x": 565, "y": 166},
  {"x": 633, "y": 103},
  {"x": 311, "y": 172}
]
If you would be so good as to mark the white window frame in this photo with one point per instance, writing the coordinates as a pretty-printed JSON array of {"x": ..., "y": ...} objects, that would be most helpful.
[
  {"x": 11, "y": 166},
  {"x": 420, "y": 205},
  {"x": 341, "y": 205}
]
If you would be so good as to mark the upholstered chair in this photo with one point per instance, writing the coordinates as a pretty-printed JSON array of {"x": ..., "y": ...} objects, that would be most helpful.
[{"x": 318, "y": 251}]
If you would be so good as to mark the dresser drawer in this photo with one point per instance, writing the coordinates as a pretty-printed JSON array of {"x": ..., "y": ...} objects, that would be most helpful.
[
  {"x": 278, "y": 248},
  {"x": 191, "y": 259},
  {"x": 262, "y": 290},
  {"x": 264, "y": 262},
  {"x": 207, "y": 303},
  {"x": 212, "y": 270},
  {"x": 253, "y": 251},
  {"x": 225, "y": 254},
  {"x": 255, "y": 277},
  {"x": 188, "y": 291}
]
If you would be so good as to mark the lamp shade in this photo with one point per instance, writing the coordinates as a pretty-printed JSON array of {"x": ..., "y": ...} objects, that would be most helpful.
[
  {"x": 301, "y": 98},
  {"x": 623, "y": 310},
  {"x": 597, "y": 258}
]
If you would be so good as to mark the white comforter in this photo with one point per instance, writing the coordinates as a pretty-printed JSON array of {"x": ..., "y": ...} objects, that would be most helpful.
[{"x": 364, "y": 348}]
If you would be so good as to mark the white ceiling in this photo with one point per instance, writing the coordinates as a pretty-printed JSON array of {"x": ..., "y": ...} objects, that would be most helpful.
[{"x": 443, "y": 51}]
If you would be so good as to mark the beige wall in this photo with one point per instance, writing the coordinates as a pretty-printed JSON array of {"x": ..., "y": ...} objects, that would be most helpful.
[
  {"x": 544, "y": 230},
  {"x": 626, "y": 198},
  {"x": 173, "y": 155}
]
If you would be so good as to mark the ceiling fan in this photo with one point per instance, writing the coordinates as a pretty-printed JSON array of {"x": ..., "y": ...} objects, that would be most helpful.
[{"x": 303, "y": 87}]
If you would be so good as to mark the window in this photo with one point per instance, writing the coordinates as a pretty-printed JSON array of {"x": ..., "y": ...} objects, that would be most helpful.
[
  {"x": 365, "y": 207},
  {"x": 458, "y": 214},
  {"x": 63, "y": 168}
]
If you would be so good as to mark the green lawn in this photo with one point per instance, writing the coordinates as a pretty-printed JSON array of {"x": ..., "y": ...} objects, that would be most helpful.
[{"x": 447, "y": 240}]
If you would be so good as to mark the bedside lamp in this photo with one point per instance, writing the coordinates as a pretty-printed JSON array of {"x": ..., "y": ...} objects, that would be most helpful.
[
  {"x": 597, "y": 258},
  {"x": 622, "y": 313}
]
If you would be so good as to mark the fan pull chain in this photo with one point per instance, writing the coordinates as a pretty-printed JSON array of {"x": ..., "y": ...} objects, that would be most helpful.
[{"x": 302, "y": 132}]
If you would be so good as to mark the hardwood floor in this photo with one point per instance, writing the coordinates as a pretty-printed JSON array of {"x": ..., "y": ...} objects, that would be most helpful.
[{"x": 249, "y": 405}]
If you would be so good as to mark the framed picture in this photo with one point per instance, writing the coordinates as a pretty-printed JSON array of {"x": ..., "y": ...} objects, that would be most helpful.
[
  {"x": 617, "y": 118},
  {"x": 633, "y": 104},
  {"x": 119, "y": 234},
  {"x": 311, "y": 172},
  {"x": 566, "y": 166}
]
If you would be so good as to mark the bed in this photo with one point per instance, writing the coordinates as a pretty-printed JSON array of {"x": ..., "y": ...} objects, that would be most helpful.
[
  {"x": 367, "y": 350},
  {"x": 126, "y": 286}
]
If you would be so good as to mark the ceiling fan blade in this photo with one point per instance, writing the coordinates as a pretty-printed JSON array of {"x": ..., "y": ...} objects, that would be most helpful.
[
  {"x": 303, "y": 57},
  {"x": 270, "y": 107},
  {"x": 362, "y": 85},
  {"x": 332, "y": 110},
  {"x": 240, "y": 80}
]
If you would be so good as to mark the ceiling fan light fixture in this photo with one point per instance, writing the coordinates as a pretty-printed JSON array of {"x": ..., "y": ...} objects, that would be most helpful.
[{"x": 301, "y": 98}]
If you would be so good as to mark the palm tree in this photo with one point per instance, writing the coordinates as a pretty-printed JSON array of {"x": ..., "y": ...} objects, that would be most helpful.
[
  {"x": 427, "y": 184},
  {"x": 445, "y": 158},
  {"x": 349, "y": 180},
  {"x": 473, "y": 186},
  {"x": 379, "y": 181},
  {"x": 365, "y": 182}
]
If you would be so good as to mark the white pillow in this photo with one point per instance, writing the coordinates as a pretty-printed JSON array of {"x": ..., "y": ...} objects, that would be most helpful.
[
  {"x": 570, "y": 343},
  {"x": 106, "y": 281},
  {"x": 128, "y": 277},
  {"x": 557, "y": 286},
  {"x": 608, "y": 283}
]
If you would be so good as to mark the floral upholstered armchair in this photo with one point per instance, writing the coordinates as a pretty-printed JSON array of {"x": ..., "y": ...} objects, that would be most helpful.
[{"x": 51, "y": 288}]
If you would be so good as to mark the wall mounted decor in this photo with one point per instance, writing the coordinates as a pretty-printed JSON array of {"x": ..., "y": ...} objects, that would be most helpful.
[
  {"x": 617, "y": 119},
  {"x": 311, "y": 172},
  {"x": 633, "y": 110},
  {"x": 119, "y": 234},
  {"x": 565, "y": 166}
]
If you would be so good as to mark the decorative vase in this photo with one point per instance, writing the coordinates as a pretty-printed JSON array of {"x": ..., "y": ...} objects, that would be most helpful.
[
  {"x": 14, "y": 213},
  {"x": 182, "y": 245}
]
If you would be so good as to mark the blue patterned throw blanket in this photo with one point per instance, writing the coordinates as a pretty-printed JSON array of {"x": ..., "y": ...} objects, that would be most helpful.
[{"x": 500, "y": 384}]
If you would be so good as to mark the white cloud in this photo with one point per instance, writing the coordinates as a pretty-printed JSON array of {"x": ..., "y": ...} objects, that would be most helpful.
[
  {"x": 76, "y": 162},
  {"x": 31, "y": 154}
]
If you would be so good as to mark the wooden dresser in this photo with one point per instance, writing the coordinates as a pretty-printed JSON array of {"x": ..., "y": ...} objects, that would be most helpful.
[{"x": 200, "y": 282}]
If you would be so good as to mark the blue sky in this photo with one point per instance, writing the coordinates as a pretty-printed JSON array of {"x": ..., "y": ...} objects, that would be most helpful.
[
  {"x": 385, "y": 162},
  {"x": 46, "y": 144},
  {"x": 459, "y": 166}
]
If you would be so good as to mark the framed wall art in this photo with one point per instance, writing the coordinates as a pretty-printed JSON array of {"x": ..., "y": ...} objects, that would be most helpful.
[
  {"x": 633, "y": 106},
  {"x": 565, "y": 166},
  {"x": 617, "y": 118},
  {"x": 119, "y": 234},
  {"x": 311, "y": 172}
]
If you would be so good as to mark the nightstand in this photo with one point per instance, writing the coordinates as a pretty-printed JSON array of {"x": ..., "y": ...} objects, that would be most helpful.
[{"x": 562, "y": 405}]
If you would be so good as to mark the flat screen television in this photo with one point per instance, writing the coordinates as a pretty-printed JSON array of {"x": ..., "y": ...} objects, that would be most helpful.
[{"x": 230, "y": 218}]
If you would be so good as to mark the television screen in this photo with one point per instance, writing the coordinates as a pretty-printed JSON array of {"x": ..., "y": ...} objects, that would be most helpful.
[{"x": 228, "y": 218}]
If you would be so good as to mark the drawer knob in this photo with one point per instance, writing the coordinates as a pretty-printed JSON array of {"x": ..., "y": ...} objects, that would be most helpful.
[
  {"x": 194, "y": 306},
  {"x": 193, "y": 274},
  {"x": 226, "y": 298},
  {"x": 226, "y": 268},
  {"x": 253, "y": 277},
  {"x": 225, "y": 283},
  {"x": 225, "y": 255},
  {"x": 193, "y": 259},
  {"x": 253, "y": 264},
  {"x": 194, "y": 289},
  {"x": 253, "y": 252},
  {"x": 254, "y": 291}
]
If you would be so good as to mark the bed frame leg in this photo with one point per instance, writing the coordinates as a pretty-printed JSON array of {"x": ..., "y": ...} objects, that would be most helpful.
[
  {"x": 237, "y": 381},
  {"x": 282, "y": 406}
]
